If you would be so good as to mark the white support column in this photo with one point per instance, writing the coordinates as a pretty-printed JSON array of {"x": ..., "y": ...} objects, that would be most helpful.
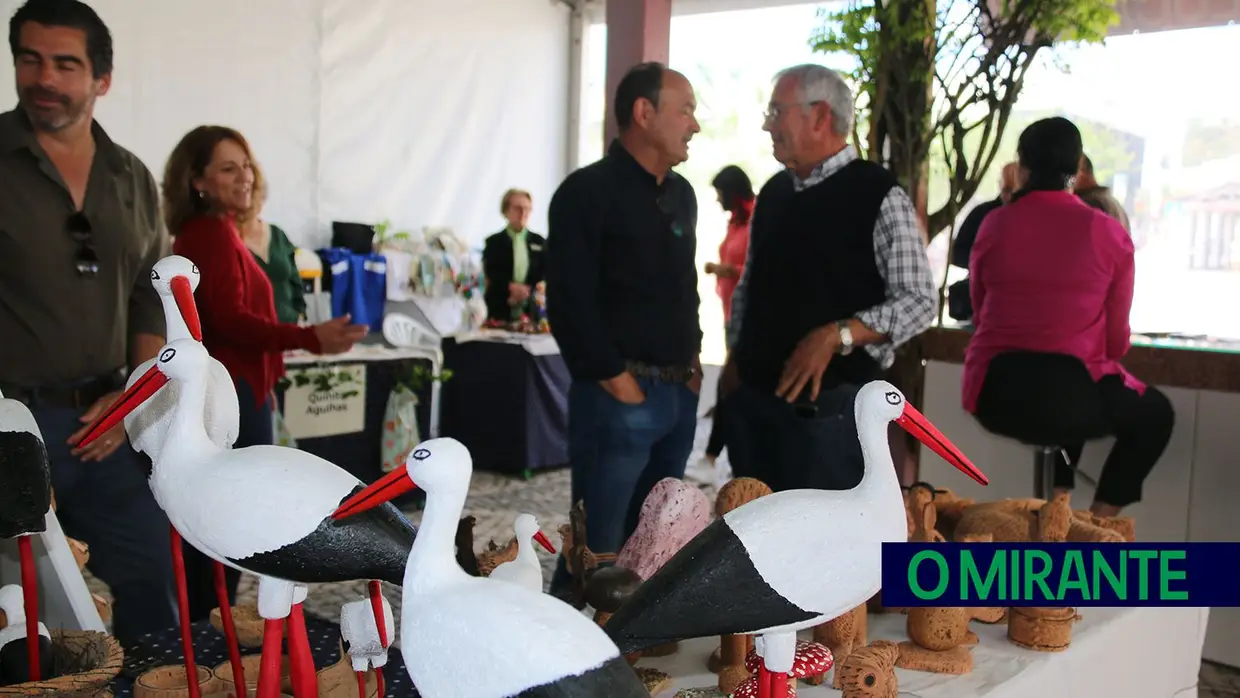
[{"x": 577, "y": 23}]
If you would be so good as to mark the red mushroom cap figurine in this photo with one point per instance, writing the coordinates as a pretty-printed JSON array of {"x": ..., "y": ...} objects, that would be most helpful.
[
  {"x": 747, "y": 689},
  {"x": 811, "y": 659}
]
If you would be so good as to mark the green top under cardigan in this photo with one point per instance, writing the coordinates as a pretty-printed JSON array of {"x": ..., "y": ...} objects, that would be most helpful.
[{"x": 281, "y": 269}]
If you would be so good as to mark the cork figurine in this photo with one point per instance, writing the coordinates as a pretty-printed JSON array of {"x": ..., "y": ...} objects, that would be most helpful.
[
  {"x": 1050, "y": 629},
  {"x": 1028, "y": 520},
  {"x": 939, "y": 638},
  {"x": 728, "y": 661},
  {"x": 580, "y": 560},
  {"x": 870, "y": 672}
]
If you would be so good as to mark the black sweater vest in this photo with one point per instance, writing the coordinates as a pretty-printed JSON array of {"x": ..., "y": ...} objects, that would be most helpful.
[{"x": 811, "y": 262}]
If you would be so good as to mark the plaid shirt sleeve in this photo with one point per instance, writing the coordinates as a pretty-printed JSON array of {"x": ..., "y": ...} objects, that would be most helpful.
[{"x": 900, "y": 253}]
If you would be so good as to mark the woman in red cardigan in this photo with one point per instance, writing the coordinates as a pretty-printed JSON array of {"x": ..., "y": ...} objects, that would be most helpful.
[{"x": 209, "y": 182}]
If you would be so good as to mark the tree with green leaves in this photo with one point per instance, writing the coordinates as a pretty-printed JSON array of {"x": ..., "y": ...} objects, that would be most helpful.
[{"x": 945, "y": 76}]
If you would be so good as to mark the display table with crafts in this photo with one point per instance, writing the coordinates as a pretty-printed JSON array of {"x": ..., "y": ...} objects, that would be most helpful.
[
  {"x": 507, "y": 400},
  {"x": 347, "y": 423},
  {"x": 1128, "y": 652}
]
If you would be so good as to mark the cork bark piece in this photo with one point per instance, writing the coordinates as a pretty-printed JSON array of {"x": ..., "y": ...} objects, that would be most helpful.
[
  {"x": 1042, "y": 629},
  {"x": 957, "y": 660}
]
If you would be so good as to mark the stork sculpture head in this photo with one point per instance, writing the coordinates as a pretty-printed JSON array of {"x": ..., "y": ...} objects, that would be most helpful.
[{"x": 177, "y": 278}]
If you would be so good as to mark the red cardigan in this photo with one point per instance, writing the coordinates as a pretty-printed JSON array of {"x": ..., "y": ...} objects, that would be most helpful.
[{"x": 238, "y": 312}]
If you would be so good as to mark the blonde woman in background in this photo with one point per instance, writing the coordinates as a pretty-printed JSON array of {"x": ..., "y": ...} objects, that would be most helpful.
[{"x": 512, "y": 259}]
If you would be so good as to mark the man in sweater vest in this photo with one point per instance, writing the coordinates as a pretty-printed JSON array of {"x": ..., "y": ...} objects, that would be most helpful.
[{"x": 837, "y": 278}]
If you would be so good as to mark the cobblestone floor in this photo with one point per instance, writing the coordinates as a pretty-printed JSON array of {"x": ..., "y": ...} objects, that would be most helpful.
[{"x": 496, "y": 500}]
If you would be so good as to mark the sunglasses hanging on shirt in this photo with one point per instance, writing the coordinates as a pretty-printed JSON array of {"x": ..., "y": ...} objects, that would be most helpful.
[{"x": 85, "y": 260}]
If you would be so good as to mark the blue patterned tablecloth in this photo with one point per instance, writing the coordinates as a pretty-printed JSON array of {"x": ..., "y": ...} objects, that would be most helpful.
[{"x": 211, "y": 650}]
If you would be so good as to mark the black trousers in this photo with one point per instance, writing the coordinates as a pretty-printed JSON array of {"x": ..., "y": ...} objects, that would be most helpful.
[
  {"x": 718, "y": 424},
  {"x": 1051, "y": 400},
  {"x": 255, "y": 430},
  {"x": 791, "y": 447}
]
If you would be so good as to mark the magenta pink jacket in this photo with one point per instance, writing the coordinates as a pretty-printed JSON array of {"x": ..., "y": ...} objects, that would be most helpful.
[{"x": 1048, "y": 273}]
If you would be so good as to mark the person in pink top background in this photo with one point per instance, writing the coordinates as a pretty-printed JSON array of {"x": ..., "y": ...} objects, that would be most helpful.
[
  {"x": 1051, "y": 280},
  {"x": 735, "y": 194}
]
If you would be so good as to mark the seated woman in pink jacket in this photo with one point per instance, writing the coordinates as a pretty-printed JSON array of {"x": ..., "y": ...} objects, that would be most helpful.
[{"x": 1051, "y": 281}]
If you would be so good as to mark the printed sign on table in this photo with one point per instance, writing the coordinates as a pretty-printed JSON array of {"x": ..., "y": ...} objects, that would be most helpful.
[{"x": 311, "y": 412}]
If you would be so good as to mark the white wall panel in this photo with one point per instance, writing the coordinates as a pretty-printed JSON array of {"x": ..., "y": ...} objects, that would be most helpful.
[
  {"x": 430, "y": 124},
  {"x": 420, "y": 111}
]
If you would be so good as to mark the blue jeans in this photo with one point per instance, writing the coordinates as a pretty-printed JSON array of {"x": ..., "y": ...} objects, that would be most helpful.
[
  {"x": 255, "y": 429},
  {"x": 804, "y": 446},
  {"x": 618, "y": 452},
  {"x": 109, "y": 506}
]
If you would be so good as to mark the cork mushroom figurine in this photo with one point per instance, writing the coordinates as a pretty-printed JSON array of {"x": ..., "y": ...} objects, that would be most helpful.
[{"x": 811, "y": 660}]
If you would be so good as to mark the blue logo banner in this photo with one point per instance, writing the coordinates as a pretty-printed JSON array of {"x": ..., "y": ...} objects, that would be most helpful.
[{"x": 1061, "y": 574}]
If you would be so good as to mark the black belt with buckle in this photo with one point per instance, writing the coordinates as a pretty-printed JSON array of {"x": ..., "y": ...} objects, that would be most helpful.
[
  {"x": 78, "y": 395},
  {"x": 667, "y": 374}
]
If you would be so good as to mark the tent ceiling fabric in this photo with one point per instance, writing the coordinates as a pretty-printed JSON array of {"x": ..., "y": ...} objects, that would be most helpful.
[
  {"x": 695, "y": 7},
  {"x": 418, "y": 111}
]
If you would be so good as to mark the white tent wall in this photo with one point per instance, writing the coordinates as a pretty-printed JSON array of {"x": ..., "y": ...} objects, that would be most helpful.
[{"x": 418, "y": 111}]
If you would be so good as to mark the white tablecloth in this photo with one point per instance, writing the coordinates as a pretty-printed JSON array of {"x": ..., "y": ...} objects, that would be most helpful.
[
  {"x": 536, "y": 344},
  {"x": 359, "y": 352},
  {"x": 1115, "y": 653}
]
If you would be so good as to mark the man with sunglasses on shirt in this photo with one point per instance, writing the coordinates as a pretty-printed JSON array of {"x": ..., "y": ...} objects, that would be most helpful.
[{"x": 79, "y": 232}]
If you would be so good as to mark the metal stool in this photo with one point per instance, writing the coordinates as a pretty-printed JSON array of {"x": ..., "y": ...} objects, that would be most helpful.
[{"x": 1044, "y": 471}]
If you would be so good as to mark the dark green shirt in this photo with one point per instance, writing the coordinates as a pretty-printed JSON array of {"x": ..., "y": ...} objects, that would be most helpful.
[
  {"x": 57, "y": 327},
  {"x": 281, "y": 269}
]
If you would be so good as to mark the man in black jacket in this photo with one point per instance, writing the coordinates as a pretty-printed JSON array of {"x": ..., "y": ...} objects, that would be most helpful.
[{"x": 623, "y": 305}]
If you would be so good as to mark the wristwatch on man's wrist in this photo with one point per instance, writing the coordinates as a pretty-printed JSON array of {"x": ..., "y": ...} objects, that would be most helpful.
[{"x": 846, "y": 339}]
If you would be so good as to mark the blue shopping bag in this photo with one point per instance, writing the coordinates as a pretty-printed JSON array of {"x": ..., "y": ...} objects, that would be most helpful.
[
  {"x": 337, "y": 261},
  {"x": 368, "y": 289}
]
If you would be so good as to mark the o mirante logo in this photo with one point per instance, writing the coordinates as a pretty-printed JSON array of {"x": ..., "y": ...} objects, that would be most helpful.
[{"x": 1061, "y": 574}]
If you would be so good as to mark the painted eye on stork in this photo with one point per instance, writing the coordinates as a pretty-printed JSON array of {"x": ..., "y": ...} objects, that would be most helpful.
[{"x": 167, "y": 355}]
